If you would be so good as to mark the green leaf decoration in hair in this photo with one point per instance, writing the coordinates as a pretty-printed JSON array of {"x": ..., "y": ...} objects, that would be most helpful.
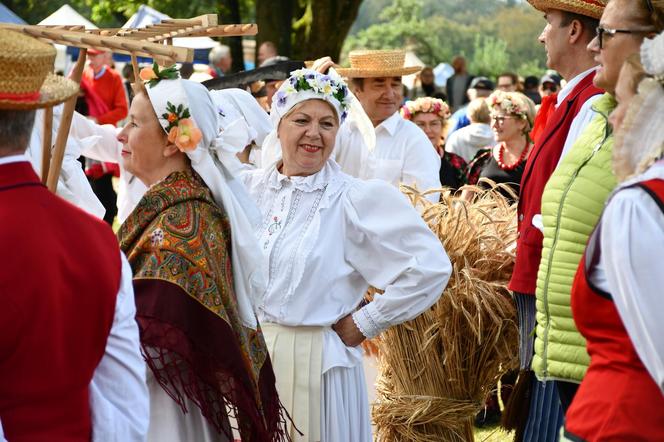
[{"x": 152, "y": 76}]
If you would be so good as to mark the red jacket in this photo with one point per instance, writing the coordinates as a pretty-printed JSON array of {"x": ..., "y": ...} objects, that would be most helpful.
[
  {"x": 59, "y": 281},
  {"x": 110, "y": 89},
  {"x": 540, "y": 165}
]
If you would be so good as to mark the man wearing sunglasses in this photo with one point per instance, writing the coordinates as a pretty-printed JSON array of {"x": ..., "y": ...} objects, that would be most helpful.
[
  {"x": 570, "y": 25},
  {"x": 574, "y": 198}
]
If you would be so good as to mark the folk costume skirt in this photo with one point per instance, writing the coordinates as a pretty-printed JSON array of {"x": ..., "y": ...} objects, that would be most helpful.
[
  {"x": 545, "y": 415},
  {"x": 168, "y": 423},
  {"x": 326, "y": 407}
]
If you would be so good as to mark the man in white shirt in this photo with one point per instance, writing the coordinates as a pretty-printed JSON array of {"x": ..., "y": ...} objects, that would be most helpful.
[{"x": 403, "y": 153}]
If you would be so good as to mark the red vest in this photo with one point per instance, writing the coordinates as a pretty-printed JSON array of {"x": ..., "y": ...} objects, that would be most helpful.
[
  {"x": 618, "y": 400},
  {"x": 540, "y": 165},
  {"x": 59, "y": 280}
]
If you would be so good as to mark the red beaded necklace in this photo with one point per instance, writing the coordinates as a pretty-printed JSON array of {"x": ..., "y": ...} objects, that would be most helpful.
[{"x": 501, "y": 152}]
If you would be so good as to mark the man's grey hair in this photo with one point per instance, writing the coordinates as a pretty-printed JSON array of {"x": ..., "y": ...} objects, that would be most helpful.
[
  {"x": 15, "y": 130},
  {"x": 217, "y": 53}
]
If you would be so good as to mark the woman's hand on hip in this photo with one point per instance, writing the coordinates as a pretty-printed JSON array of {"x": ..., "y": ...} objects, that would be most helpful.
[{"x": 348, "y": 331}]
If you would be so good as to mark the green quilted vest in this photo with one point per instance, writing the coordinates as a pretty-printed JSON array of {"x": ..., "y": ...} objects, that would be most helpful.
[{"x": 572, "y": 203}]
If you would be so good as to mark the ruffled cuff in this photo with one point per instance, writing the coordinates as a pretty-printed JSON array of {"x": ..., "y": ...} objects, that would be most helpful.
[{"x": 369, "y": 321}]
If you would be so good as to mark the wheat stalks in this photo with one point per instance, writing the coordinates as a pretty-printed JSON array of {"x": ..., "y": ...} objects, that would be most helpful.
[{"x": 438, "y": 369}]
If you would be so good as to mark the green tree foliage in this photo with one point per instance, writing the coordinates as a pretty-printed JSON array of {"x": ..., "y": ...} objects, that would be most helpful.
[
  {"x": 494, "y": 35},
  {"x": 490, "y": 56}
]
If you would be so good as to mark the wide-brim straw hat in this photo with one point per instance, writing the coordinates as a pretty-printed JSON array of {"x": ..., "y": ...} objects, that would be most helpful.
[
  {"x": 588, "y": 8},
  {"x": 371, "y": 64},
  {"x": 26, "y": 74}
]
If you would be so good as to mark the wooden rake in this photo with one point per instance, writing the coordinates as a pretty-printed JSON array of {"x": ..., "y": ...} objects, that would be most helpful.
[{"x": 153, "y": 41}]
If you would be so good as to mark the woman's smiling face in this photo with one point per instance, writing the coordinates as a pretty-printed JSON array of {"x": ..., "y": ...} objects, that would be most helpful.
[{"x": 307, "y": 135}]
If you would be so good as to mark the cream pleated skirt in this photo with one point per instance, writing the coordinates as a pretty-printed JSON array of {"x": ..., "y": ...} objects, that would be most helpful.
[
  {"x": 326, "y": 407},
  {"x": 168, "y": 423}
]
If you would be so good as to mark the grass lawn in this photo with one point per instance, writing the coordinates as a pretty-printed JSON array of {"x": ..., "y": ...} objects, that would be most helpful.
[{"x": 492, "y": 434}]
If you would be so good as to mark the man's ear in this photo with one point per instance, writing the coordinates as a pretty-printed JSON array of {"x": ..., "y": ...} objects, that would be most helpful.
[
  {"x": 358, "y": 91},
  {"x": 575, "y": 31}
]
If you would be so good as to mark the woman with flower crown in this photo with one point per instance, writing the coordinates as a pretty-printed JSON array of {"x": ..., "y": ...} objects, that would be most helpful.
[
  {"x": 196, "y": 270},
  {"x": 430, "y": 115},
  {"x": 326, "y": 237},
  {"x": 512, "y": 115}
]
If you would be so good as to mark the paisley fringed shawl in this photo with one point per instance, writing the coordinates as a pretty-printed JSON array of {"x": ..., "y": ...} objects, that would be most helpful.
[{"x": 177, "y": 241}]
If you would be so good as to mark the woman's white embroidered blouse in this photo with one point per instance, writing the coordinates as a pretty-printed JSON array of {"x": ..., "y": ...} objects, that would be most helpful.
[{"x": 326, "y": 237}]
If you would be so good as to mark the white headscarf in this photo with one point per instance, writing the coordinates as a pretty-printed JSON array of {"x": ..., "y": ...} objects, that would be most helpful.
[
  {"x": 214, "y": 159},
  {"x": 242, "y": 103},
  {"x": 640, "y": 140},
  {"x": 303, "y": 85}
]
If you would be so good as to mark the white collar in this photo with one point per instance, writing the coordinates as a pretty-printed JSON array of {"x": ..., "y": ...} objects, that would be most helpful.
[
  {"x": 655, "y": 171},
  {"x": 569, "y": 87},
  {"x": 390, "y": 125},
  {"x": 14, "y": 159},
  {"x": 310, "y": 183}
]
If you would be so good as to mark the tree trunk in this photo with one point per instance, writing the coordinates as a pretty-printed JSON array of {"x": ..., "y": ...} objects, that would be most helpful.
[
  {"x": 274, "y": 19},
  {"x": 229, "y": 11},
  {"x": 306, "y": 30}
]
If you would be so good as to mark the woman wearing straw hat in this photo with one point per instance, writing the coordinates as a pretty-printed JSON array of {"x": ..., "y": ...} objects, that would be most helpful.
[
  {"x": 325, "y": 237},
  {"x": 403, "y": 153},
  {"x": 196, "y": 270},
  {"x": 70, "y": 364}
]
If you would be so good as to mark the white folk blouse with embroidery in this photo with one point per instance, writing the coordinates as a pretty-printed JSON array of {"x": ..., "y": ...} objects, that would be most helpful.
[{"x": 326, "y": 237}]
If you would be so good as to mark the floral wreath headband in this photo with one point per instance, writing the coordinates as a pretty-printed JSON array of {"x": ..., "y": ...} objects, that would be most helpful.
[
  {"x": 435, "y": 106},
  {"x": 304, "y": 84},
  {"x": 509, "y": 103},
  {"x": 171, "y": 108}
]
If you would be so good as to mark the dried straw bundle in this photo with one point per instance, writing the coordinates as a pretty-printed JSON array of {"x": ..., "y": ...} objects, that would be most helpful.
[{"x": 438, "y": 369}]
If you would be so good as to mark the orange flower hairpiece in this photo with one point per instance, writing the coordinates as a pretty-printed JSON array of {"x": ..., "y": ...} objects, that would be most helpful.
[
  {"x": 153, "y": 75},
  {"x": 185, "y": 135},
  {"x": 181, "y": 128}
]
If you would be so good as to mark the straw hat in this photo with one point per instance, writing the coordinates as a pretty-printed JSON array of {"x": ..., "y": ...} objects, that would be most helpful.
[
  {"x": 368, "y": 64},
  {"x": 26, "y": 74},
  {"x": 589, "y": 8}
]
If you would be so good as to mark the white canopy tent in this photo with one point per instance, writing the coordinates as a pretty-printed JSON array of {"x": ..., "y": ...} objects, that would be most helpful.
[
  {"x": 66, "y": 15},
  {"x": 411, "y": 60}
]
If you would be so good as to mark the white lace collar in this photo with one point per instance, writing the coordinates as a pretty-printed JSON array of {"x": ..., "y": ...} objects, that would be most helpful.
[{"x": 310, "y": 183}]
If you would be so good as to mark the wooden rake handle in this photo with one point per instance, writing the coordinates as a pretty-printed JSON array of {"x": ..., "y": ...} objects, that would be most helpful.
[
  {"x": 65, "y": 124},
  {"x": 47, "y": 139}
]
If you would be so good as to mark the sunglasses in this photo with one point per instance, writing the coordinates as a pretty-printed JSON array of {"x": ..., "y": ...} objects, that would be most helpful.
[
  {"x": 601, "y": 31},
  {"x": 549, "y": 87}
]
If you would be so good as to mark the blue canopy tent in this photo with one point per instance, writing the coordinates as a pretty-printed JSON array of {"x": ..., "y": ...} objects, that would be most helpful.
[{"x": 7, "y": 16}]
